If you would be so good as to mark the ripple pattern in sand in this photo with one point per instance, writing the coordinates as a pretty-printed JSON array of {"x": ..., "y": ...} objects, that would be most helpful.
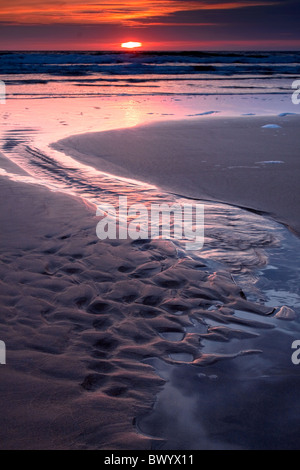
[{"x": 114, "y": 307}]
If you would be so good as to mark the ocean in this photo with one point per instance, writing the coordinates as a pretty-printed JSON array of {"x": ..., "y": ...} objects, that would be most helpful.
[{"x": 77, "y": 74}]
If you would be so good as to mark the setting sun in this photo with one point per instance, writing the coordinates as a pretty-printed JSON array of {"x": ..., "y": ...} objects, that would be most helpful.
[{"x": 131, "y": 45}]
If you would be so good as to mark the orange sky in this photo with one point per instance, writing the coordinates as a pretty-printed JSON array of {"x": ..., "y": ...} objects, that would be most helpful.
[
  {"x": 110, "y": 11},
  {"x": 159, "y": 24}
]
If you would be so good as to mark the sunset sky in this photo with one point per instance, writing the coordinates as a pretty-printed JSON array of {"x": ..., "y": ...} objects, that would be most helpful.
[{"x": 158, "y": 24}]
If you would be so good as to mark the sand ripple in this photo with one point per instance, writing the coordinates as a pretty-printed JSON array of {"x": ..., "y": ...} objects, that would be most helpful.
[{"x": 89, "y": 318}]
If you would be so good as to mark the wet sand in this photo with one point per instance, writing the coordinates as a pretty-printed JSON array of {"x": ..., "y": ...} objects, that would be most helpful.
[
  {"x": 81, "y": 317},
  {"x": 94, "y": 329},
  {"x": 231, "y": 160},
  {"x": 71, "y": 356}
]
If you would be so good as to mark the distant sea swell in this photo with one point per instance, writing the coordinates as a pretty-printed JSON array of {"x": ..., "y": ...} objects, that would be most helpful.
[{"x": 155, "y": 72}]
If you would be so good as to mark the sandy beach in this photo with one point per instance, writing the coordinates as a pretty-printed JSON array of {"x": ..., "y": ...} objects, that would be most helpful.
[
  {"x": 232, "y": 160},
  {"x": 83, "y": 320},
  {"x": 65, "y": 382},
  {"x": 81, "y": 317},
  {"x": 98, "y": 331}
]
